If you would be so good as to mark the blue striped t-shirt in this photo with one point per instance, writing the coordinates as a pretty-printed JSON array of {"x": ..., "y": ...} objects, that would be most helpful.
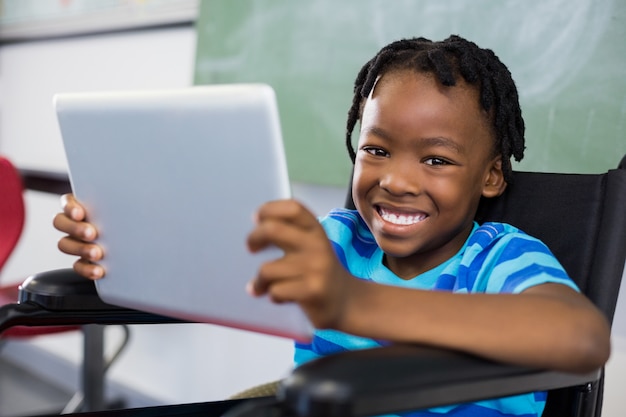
[{"x": 496, "y": 258}]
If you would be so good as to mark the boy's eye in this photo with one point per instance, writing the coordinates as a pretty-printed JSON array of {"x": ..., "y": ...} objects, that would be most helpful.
[
  {"x": 436, "y": 161},
  {"x": 375, "y": 151}
]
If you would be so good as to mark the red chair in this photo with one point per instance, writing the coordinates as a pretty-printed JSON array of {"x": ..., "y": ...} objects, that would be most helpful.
[
  {"x": 12, "y": 218},
  {"x": 12, "y": 215}
]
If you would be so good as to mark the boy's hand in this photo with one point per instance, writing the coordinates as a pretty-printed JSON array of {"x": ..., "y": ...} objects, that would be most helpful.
[
  {"x": 309, "y": 273},
  {"x": 79, "y": 239}
]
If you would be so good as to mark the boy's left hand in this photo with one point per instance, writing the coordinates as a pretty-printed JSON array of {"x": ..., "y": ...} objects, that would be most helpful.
[{"x": 309, "y": 273}]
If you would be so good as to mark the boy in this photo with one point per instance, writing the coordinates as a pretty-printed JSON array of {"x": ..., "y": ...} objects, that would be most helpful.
[{"x": 439, "y": 123}]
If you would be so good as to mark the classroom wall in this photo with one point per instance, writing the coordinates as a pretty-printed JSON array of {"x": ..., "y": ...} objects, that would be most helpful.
[{"x": 165, "y": 363}]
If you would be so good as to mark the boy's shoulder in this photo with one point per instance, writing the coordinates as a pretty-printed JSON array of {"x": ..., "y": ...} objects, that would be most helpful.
[
  {"x": 504, "y": 241},
  {"x": 494, "y": 236},
  {"x": 345, "y": 221},
  {"x": 488, "y": 232},
  {"x": 347, "y": 228},
  {"x": 341, "y": 213}
]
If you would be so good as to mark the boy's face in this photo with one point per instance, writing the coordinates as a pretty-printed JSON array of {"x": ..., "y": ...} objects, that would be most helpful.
[{"x": 424, "y": 158}]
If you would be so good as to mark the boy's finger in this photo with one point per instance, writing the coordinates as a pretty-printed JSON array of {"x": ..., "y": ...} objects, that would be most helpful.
[
  {"x": 266, "y": 285},
  {"x": 286, "y": 210},
  {"x": 79, "y": 230},
  {"x": 72, "y": 208},
  {"x": 277, "y": 233},
  {"x": 88, "y": 251},
  {"x": 270, "y": 273},
  {"x": 88, "y": 269},
  {"x": 285, "y": 292}
]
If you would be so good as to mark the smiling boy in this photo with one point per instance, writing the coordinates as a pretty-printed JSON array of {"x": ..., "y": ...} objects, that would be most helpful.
[
  {"x": 439, "y": 122},
  {"x": 411, "y": 265}
]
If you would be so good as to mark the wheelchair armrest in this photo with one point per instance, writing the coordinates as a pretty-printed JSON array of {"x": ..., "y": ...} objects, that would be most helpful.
[
  {"x": 406, "y": 377},
  {"x": 61, "y": 290},
  {"x": 61, "y": 297}
]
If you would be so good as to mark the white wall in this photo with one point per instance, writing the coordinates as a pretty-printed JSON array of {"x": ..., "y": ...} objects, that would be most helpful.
[{"x": 171, "y": 363}]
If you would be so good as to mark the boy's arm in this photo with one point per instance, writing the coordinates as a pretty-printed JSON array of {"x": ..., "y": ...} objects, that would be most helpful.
[{"x": 546, "y": 326}]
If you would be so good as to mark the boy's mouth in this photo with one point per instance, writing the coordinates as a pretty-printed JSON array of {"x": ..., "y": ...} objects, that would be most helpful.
[{"x": 400, "y": 218}]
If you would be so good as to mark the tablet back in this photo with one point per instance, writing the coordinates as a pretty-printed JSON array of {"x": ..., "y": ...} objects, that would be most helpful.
[{"x": 171, "y": 179}]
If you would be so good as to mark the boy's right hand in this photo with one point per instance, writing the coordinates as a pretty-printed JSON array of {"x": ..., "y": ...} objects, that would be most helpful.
[{"x": 80, "y": 237}]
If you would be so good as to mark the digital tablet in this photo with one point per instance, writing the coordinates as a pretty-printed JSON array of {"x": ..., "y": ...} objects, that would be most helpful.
[{"x": 171, "y": 179}]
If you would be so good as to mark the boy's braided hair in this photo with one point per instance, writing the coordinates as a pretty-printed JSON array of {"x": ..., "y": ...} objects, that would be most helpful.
[{"x": 447, "y": 60}]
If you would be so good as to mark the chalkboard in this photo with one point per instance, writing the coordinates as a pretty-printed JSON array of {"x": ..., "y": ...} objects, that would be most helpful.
[{"x": 568, "y": 58}]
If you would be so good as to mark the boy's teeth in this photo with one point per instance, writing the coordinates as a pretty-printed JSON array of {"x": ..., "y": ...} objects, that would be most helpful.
[{"x": 403, "y": 219}]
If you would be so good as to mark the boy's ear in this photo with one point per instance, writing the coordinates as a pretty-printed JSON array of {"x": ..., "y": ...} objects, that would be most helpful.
[{"x": 494, "y": 184}]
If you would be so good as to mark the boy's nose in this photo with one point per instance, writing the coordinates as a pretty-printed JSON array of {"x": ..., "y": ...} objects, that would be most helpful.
[{"x": 400, "y": 180}]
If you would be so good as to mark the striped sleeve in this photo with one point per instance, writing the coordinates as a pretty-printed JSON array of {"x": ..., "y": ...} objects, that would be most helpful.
[{"x": 502, "y": 259}]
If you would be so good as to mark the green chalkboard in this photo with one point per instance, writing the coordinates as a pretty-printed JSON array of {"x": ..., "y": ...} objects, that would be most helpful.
[{"x": 568, "y": 58}]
